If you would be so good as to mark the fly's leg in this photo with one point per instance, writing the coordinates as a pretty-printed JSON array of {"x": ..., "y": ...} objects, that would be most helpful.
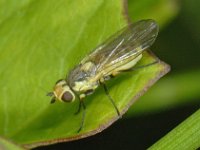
[
  {"x": 81, "y": 97},
  {"x": 110, "y": 98},
  {"x": 81, "y": 105},
  {"x": 79, "y": 109},
  {"x": 139, "y": 67}
]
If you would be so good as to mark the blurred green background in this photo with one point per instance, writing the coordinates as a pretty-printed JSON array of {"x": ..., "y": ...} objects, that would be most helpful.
[{"x": 174, "y": 97}]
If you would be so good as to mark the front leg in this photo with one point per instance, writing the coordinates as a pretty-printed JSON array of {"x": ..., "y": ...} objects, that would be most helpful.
[
  {"x": 80, "y": 98},
  {"x": 83, "y": 115},
  {"x": 79, "y": 109},
  {"x": 81, "y": 105}
]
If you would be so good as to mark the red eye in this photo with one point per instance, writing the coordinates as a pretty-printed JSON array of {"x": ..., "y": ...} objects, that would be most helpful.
[{"x": 67, "y": 97}]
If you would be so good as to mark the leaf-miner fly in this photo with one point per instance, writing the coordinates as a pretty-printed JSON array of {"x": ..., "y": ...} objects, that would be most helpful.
[{"x": 117, "y": 54}]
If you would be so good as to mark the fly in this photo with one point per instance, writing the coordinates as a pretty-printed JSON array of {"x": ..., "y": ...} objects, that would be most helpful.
[{"x": 117, "y": 54}]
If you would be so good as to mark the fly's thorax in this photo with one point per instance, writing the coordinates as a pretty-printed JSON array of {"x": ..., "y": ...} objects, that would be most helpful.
[
  {"x": 85, "y": 86},
  {"x": 81, "y": 77},
  {"x": 88, "y": 67},
  {"x": 62, "y": 92}
]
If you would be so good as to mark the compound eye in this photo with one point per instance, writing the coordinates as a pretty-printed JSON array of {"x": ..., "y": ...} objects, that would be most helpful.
[{"x": 67, "y": 96}]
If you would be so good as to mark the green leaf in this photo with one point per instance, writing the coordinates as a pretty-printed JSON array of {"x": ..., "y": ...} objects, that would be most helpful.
[
  {"x": 41, "y": 42},
  {"x": 178, "y": 89},
  {"x": 184, "y": 136},
  {"x": 6, "y": 145}
]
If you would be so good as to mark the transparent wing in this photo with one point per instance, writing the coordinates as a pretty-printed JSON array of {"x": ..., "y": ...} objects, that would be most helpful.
[{"x": 129, "y": 42}]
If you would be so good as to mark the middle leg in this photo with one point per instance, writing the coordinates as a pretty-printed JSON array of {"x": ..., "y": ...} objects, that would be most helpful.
[{"x": 110, "y": 98}]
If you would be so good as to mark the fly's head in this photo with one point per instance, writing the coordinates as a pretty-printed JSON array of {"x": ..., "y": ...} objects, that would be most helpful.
[{"x": 62, "y": 92}]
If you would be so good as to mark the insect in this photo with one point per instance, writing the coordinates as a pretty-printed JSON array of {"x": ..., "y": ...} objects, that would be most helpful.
[{"x": 118, "y": 54}]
